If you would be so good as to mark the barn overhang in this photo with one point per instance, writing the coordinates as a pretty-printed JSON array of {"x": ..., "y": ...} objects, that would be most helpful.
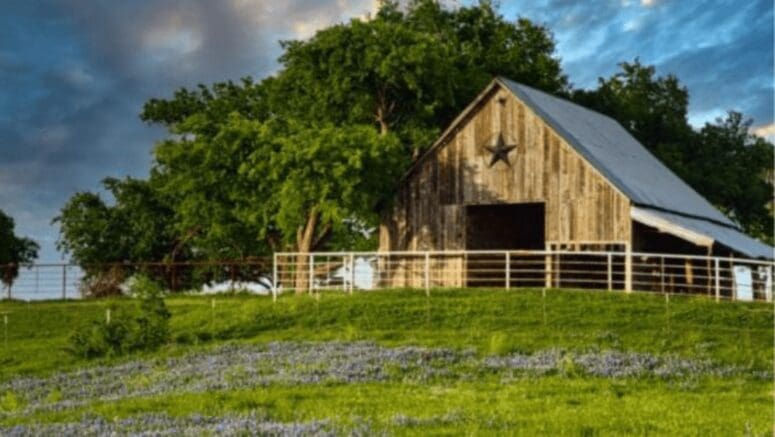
[{"x": 701, "y": 232}]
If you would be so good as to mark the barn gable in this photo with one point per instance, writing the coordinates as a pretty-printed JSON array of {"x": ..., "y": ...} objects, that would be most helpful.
[
  {"x": 591, "y": 178},
  {"x": 431, "y": 203}
]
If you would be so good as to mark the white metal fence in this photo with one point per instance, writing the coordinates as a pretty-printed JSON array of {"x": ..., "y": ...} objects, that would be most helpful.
[
  {"x": 720, "y": 278},
  {"x": 717, "y": 277}
]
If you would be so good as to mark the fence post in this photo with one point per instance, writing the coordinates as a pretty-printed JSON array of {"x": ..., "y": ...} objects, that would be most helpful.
[
  {"x": 610, "y": 272},
  {"x": 628, "y": 269},
  {"x": 717, "y": 279},
  {"x": 311, "y": 286},
  {"x": 274, "y": 277},
  {"x": 548, "y": 261},
  {"x": 427, "y": 273},
  {"x": 508, "y": 270},
  {"x": 352, "y": 272},
  {"x": 64, "y": 282},
  {"x": 662, "y": 274}
]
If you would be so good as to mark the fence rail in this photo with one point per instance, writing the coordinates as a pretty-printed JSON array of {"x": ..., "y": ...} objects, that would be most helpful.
[
  {"x": 68, "y": 281},
  {"x": 718, "y": 277}
]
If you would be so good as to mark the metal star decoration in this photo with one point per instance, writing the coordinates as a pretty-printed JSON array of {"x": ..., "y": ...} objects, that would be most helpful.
[{"x": 501, "y": 151}]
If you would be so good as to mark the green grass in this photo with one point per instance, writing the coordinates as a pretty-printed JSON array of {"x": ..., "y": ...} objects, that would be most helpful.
[{"x": 493, "y": 322}]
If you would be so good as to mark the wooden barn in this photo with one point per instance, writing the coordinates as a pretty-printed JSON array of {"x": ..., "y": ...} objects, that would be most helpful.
[{"x": 520, "y": 169}]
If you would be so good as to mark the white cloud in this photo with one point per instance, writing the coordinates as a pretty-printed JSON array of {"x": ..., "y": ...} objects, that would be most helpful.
[
  {"x": 766, "y": 131},
  {"x": 172, "y": 37}
]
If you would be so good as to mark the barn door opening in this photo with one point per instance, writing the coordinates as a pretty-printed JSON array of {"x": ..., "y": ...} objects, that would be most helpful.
[{"x": 514, "y": 226}]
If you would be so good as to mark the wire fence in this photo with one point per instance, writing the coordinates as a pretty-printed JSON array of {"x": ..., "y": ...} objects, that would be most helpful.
[
  {"x": 68, "y": 281},
  {"x": 718, "y": 277}
]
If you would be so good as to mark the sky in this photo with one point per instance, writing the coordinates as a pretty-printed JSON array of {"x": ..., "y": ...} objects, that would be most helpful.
[{"x": 75, "y": 74}]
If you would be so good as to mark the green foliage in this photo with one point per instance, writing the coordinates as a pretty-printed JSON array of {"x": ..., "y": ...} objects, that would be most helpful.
[
  {"x": 14, "y": 250},
  {"x": 151, "y": 325},
  {"x": 302, "y": 159},
  {"x": 722, "y": 161},
  {"x": 134, "y": 228},
  {"x": 412, "y": 70},
  {"x": 143, "y": 328},
  {"x": 733, "y": 169}
]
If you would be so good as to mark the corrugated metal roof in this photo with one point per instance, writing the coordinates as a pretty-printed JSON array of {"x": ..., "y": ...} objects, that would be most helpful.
[
  {"x": 726, "y": 236},
  {"x": 631, "y": 168},
  {"x": 615, "y": 153}
]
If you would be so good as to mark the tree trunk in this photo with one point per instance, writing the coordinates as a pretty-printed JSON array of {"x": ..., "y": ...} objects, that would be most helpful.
[
  {"x": 304, "y": 242},
  {"x": 380, "y": 116}
]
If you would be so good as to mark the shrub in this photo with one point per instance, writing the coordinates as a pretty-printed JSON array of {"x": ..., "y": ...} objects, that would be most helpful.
[
  {"x": 146, "y": 327},
  {"x": 103, "y": 283},
  {"x": 99, "y": 338}
]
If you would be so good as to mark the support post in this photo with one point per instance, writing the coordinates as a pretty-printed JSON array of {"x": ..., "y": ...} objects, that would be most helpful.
[
  {"x": 427, "y": 273},
  {"x": 508, "y": 270},
  {"x": 768, "y": 284},
  {"x": 628, "y": 269},
  {"x": 64, "y": 282},
  {"x": 352, "y": 273},
  {"x": 274, "y": 277},
  {"x": 311, "y": 286},
  {"x": 662, "y": 274},
  {"x": 610, "y": 272},
  {"x": 548, "y": 262},
  {"x": 717, "y": 279}
]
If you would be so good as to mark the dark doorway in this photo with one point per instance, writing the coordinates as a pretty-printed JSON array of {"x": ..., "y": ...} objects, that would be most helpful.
[{"x": 517, "y": 226}]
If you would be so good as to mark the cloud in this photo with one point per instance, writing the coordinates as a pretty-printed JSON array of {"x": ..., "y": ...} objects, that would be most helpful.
[
  {"x": 80, "y": 82},
  {"x": 766, "y": 131},
  {"x": 722, "y": 51},
  {"x": 79, "y": 79}
]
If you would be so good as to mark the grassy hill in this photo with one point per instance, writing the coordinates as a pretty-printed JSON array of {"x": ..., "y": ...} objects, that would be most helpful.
[{"x": 459, "y": 361}]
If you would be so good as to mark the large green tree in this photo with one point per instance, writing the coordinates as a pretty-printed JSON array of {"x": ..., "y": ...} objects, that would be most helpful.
[
  {"x": 300, "y": 160},
  {"x": 14, "y": 250},
  {"x": 411, "y": 71}
]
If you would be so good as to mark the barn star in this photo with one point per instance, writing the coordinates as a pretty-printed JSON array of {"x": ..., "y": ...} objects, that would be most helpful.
[{"x": 501, "y": 151}]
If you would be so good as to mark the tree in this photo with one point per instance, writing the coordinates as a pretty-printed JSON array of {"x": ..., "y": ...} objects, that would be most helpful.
[
  {"x": 14, "y": 250},
  {"x": 652, "y": 108},
  {"x": 722, "y": 161},
  {"x": 137, "y": 227},
  {"x": 289, "y": 162},
  {"x": 279, "y": 183},
  {"x": 732, "y": 168},
  {"x": 411, "y": 72}
]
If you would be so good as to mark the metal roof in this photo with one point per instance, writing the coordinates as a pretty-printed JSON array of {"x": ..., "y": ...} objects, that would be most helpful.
[
  {"x": 723, "y": 235},
  {"x": 632, "y": 169}
]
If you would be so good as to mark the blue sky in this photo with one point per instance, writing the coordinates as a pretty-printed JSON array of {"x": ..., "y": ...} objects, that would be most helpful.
[{"x": 74, "y": 74}]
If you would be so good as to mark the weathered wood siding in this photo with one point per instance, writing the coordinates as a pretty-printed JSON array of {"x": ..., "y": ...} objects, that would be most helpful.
[{"x": 428, "y": 212}]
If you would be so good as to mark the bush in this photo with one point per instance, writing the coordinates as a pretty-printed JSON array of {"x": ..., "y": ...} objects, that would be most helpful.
[
  {"x": 146, "y": 327},
  {"x": 105, "y": 283}
]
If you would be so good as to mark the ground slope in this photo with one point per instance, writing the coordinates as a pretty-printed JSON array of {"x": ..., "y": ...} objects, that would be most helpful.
[{"x": 476, "y": 361}]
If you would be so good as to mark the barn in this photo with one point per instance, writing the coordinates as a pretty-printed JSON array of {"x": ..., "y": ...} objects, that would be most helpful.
[{"x": 520, "y": 169}]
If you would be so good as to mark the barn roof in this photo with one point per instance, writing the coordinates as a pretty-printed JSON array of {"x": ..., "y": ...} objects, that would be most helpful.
[{"x": 630, "y": 167}]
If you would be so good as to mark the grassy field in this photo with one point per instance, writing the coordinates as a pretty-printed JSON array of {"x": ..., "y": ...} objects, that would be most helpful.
[{"x": 459, "y": 361}]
